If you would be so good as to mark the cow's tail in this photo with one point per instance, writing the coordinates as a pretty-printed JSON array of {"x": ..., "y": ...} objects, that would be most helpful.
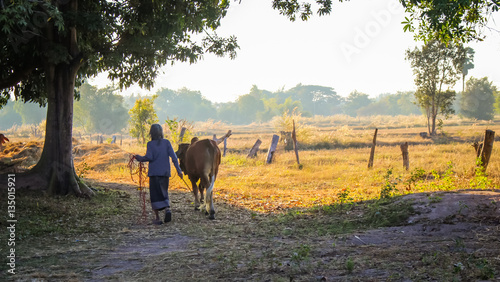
[
  {"x": 209, "y": 198},
  {"x": 211, "y": 187}
]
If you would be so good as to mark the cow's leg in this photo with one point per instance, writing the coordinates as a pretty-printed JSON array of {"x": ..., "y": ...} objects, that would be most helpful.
[
  {"x": 209, "y": 199},
  {"x": 201, "y": 188},
  {"x": 205, "y": 182},
  {"x": 195, "y": 192}
]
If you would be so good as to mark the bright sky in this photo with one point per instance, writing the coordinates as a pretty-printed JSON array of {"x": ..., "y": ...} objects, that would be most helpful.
[{"x": 359, "y": 46}]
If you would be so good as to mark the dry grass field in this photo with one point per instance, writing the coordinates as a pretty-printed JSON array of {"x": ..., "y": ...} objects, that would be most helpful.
[{"x": 328, "y": 219}]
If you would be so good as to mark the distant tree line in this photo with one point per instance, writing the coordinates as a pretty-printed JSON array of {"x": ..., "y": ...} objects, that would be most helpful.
[
  {"x": 105, "y": 111},
  {"x": 262, "y": 105},
  {"x": 100, "y": 110},
  {"x": 19, "y": 113}
]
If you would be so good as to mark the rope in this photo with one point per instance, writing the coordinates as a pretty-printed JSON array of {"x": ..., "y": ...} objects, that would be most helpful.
[
  {"x": 139, "y": 169},
  {"x": 187, "y": 186}
]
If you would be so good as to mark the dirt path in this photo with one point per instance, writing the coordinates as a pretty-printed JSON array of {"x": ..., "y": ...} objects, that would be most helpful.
[
  {"x": 462, "y": 226},
  {"x": 443, "y": 215}
]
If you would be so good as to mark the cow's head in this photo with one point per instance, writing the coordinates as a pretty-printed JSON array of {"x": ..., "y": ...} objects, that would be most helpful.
[{"x": 181, "y": 155}]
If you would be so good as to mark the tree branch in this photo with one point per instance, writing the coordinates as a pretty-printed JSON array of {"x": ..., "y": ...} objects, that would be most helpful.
[{"x": 16, "y": 77}]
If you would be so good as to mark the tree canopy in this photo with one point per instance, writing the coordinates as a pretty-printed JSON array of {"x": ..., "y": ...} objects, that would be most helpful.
[
  {"x": 100, "y": 110},
  {"x": 478, "y": 99},
  {"x": 444, "y": 20},
  {"x": 142, "y": 116},
  {"x": 259, "y": 105},
  {"x": 49, "y": 47},
  {"x": 190, "y": 105},
  {"x": 130, "y": 40},
  {"x": 355, "y": 101},
  {"x": 436, "y": 67},
  {"x": 448, "y": 21}
]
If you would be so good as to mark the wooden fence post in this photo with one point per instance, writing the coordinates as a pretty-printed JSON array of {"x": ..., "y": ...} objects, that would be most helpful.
[
  {"x": 181, "y": 135},
  {"x": 255, "y": 148},
  {"x": 404, "y": 151},
  {"x": 477, "y": 147},
  {"x": 489, "y": 138},
  {"x": 294, "y": 138},
  {"x": 220, "y": 140},
  {"x": 372, "y": 153},
  {"x": 223, "y": 139},
  {"x": 225, "y": 147},
  {"x": 272, "y": 148}
]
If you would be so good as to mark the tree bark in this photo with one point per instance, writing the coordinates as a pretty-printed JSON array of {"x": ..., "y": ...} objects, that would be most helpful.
[
  {"x": 372, "y": 152},
  {"x": 294, "y": 138},
  {"x": 272, "y": 148},
  {"x": 478, "y": 147},
  {"x": 143, "y": 135},
  {"x": 181, "y": 135},
  {"x": 255, "y": 148},
  {"x": 433, "y": 133},
  {"x": 55, "y": 170},
  {"x": 489, "y": 138},
  {"x": 433, "y": 117},
  {"x": 220, "y": 140},
  {"x": 55, "y": 167},
  {"x": 463, "y": 83},
  {"x": 428, "y": 121},
  {"x": 404, "y": 152}
]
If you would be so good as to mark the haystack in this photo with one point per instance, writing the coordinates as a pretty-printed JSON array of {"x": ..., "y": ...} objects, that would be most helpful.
[
  {"x": 100, "y": 157},
  {"x": 20, "y": 156}
]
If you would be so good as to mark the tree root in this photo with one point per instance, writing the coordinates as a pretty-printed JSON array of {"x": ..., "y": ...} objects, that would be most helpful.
[{"x": 35, "y": 180}]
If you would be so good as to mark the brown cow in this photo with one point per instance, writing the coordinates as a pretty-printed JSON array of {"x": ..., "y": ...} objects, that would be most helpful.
[{"x": 200, "y": 160}]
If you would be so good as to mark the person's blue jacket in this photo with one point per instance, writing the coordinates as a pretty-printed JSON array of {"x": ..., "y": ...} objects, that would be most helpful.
[{"x": 157, "y": 154}]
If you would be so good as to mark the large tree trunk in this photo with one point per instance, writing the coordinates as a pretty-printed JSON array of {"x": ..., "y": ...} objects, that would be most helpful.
[
  {"x": 433, "y": 133},
  {"x": 428, "y": 121},
  {"x": 463, "y": 83},
  {"x": 434, "y": 114},
  {"x": 55, "y": 166},
  {"x": 55, "y": 170}
]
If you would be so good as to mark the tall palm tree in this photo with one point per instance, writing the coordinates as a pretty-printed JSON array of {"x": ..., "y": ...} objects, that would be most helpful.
[{"x": 468, "y": 64}]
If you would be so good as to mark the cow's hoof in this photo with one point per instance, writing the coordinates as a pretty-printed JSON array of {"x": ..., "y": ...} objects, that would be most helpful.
[
  {"x": 206, "y": 213},
  {"x": 211, "y": 217}
]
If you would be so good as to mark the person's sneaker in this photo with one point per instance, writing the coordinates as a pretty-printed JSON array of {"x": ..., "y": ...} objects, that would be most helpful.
[{"x": 168, "y": 215}]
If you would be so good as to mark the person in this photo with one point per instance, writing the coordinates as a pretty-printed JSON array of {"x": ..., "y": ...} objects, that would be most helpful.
[{"x": 158, "y": 152}]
